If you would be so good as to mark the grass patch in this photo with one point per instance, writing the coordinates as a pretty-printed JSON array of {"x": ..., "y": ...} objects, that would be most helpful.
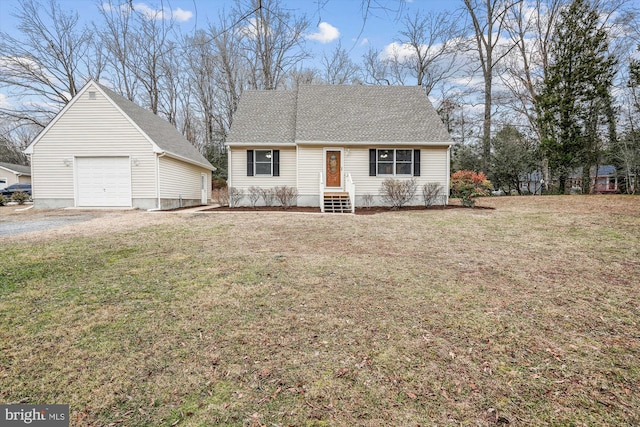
[{"x": 527, "y": 313}]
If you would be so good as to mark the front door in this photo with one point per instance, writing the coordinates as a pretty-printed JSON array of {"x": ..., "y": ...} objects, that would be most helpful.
[{"x": 332, "y": 166}]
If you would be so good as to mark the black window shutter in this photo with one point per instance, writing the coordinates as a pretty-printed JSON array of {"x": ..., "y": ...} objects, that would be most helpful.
[
  {"x": 372, "y": 162},
  {"x": 249, "y": 162},
  {"x": 276, "y": 162},
  {"x": 416, "y": 162}
]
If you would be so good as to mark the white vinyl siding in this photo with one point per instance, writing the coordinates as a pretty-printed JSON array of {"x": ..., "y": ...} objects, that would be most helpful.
[
  {"x": 238, "y": 167},
  {"x": 310, "y": 166},
  {"x": 181, "y": 180},
  {"x": 90, "y": 128},
  {"x": 433, "y": 168}
]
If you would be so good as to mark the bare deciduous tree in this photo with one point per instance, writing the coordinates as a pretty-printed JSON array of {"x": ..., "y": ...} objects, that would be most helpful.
[
  {"x": 488, "y": 19},
  {"x": 273, "y": 42},
  {"x": 338, "y": 68},
  {"x": 47, "y": 65},
  {"x": 431, "y": 42}
]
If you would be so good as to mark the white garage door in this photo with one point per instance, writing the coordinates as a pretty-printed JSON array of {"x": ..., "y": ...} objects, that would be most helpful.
[{"x": 103, "y": 181}]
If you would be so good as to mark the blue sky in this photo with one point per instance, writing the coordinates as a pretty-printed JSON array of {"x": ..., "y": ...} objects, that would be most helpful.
[{"x": 332, "y": 21}]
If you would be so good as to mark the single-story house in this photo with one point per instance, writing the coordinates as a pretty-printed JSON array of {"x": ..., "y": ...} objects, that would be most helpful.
[
  {"x": 337, "y": 141},
  {"x": 14, "y": 174},
  {"x": 102, "y": 150}
]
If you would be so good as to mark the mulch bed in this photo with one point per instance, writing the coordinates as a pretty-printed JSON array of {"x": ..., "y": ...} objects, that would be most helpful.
[{"x": 359, "y": 211}]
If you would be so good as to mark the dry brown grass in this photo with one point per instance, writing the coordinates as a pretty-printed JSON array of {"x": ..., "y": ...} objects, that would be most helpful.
[{"x": 527, "y": 313}]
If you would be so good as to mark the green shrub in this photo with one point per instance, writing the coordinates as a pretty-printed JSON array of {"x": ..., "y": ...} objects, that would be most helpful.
[
  {"x": 3, "y": 200},
  {"x": 20, "y": 197}
]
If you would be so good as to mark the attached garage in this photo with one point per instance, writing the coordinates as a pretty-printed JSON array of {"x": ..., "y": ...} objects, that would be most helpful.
[
  {"x": 103, "y": 181},
  {"x": 103, "y": 150}
]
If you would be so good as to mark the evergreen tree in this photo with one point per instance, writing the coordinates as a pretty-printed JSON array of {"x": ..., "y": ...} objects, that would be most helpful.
[
  {"x": 512, "y": 157},
  {"x": 575, "y": 101}
]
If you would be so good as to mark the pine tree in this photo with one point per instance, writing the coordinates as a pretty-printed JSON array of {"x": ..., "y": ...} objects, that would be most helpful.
[{"x": 575, "y": 101}]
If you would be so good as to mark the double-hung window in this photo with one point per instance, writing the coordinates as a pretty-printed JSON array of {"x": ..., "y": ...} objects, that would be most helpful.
[
  {"x": 263, "y": 162},
  {"x": 395, "y": 162}
]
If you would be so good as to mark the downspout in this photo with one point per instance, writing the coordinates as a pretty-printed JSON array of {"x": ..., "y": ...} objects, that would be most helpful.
[
  {"x": 229, "y": 174},
  {"x": 448, "y": 189},
  {"x": 157, "y": 208}
]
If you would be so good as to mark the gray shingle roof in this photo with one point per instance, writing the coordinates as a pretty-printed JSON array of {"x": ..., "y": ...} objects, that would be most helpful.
[
  {"x": 332, "y": 113},
  {"x": 163, "y": 133},
  {"x": 23, "y": 170},
  {"x": 264, "y": 116}
]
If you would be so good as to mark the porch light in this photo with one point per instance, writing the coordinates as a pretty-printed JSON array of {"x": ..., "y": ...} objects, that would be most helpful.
[{"x": 67, "y": 162}]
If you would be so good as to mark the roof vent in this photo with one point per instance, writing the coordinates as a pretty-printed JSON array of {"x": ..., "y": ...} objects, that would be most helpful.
[{"x": 92, "y": 95}]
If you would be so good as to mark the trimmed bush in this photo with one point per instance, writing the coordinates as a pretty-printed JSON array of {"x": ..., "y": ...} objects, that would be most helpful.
[
  {"x": 254, "y": 195},
  {"x": 367, "y": 200},
  {"x": 431, "y": 193},
  {"x": 235, "y": 195},
  {"x": 398, "y": 193},
  {"x": 267, "y": 195},
  {"x": 287, "y": 196}
]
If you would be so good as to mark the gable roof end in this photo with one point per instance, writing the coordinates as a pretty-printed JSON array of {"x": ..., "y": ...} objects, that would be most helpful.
[{"x": 164, "y": 137}]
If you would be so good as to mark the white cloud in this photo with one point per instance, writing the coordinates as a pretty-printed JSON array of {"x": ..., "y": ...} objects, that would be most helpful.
[
  {"x": 4, "y": 101},
  {"x": 327, "y": 33},
  {"x": 179, "y": 15},
  {"x": 394, "y": 50}
]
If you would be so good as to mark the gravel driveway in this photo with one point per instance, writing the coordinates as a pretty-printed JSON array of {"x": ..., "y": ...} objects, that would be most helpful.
[
  {"x": 15, "y": 225},
  {"x": 42, "y": 224}
]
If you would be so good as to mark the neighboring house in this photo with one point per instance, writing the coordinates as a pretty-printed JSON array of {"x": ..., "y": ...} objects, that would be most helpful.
[
  {"x": 531, "y": 183},
  {"x": 14, "y": 174},
  {"x": 103, "y": 150},
  {"x": 604, "y": 181},
  {"x": 338, "y": 141}
]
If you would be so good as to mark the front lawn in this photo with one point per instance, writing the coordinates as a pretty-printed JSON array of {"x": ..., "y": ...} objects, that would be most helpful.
[{"x": 527, "y": 314}]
